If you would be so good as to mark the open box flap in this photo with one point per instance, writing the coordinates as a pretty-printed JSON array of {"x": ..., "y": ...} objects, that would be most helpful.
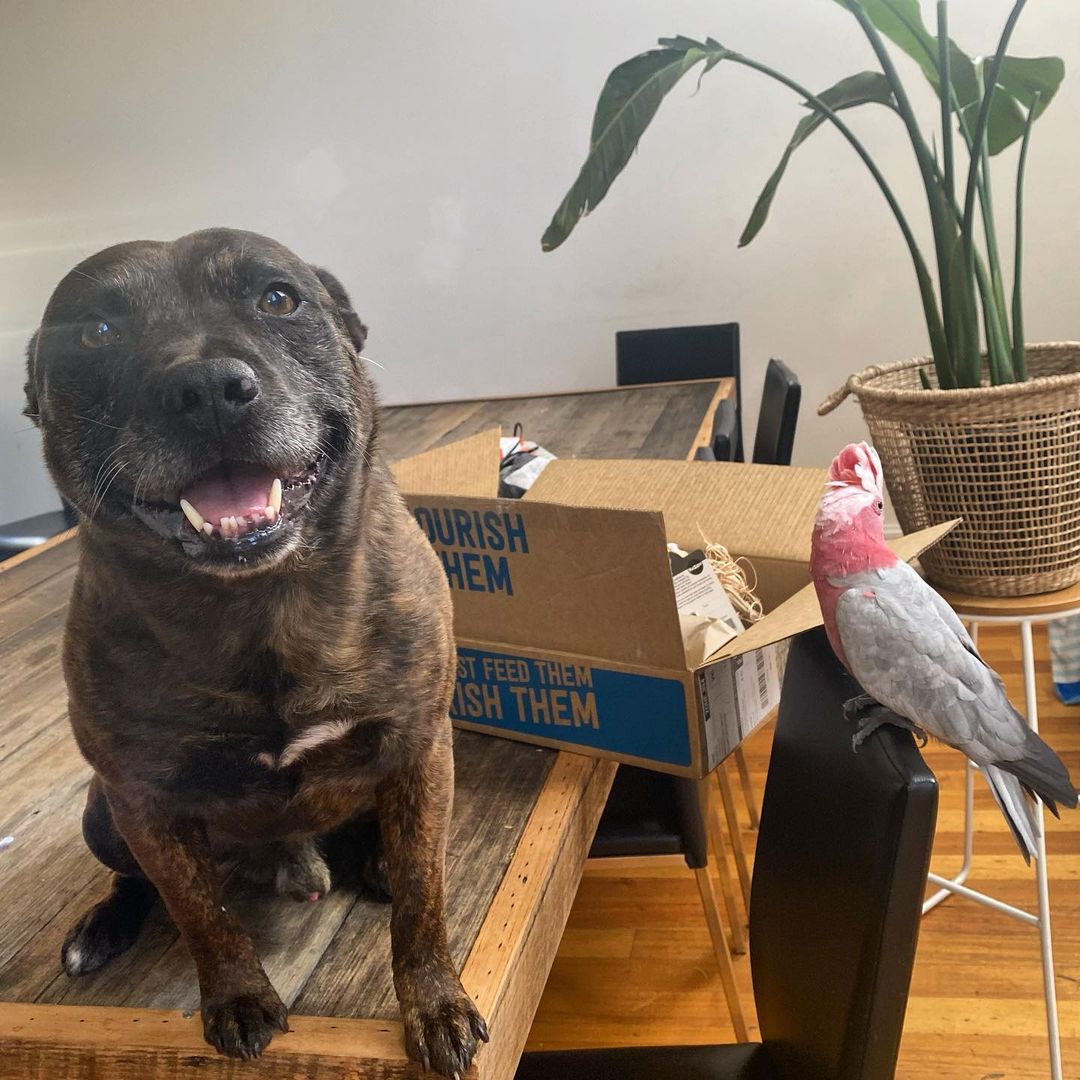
[
  {"x": 564, "y": 578},
  {"x": 802, "y": 612},
  {"x": 763, "y": 512},
  {"x": 466, "y": 467}
]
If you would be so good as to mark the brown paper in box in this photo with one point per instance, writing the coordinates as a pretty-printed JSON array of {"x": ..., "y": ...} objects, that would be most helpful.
[{"x": 564, "y": 608}]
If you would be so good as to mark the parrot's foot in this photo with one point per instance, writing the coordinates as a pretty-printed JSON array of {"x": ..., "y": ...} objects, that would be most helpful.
[
  {"x": 873, "y": 718},
  {"x": 856, "y": 708}
]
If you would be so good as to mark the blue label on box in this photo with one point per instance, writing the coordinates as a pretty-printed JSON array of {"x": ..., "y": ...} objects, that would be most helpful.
[{"x": 638, "y": 715}]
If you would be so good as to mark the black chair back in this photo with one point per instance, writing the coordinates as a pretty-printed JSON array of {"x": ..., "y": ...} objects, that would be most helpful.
[
  {"x": 839, "y": 876},
  {"x": 779, "y": 413},
  {"x": 680, "y": 352}
]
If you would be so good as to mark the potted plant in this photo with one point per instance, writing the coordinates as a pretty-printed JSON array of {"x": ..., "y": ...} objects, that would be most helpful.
[{"x": 985, "y": 428}]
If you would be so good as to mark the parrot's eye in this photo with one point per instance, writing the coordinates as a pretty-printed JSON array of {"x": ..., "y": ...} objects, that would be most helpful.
[{"x": 879, "y": 506}]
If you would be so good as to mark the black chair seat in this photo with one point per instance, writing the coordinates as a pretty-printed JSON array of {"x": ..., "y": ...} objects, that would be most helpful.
[
  {"x": 739, "y": 1061},
  {"x": 651, "y": 813}
]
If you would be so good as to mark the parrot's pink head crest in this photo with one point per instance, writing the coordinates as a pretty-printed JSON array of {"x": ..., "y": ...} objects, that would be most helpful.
[{"x": 849, "y": 526}]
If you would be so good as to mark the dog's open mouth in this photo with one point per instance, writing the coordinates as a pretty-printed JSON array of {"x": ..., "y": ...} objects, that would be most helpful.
[{"x": 234, "y": 506}]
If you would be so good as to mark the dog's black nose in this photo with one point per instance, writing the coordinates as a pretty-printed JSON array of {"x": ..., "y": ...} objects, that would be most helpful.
[{"x": 210, "y": 391}]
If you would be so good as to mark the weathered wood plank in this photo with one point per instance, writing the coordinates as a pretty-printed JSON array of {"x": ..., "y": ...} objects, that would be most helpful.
[
  {"x": 676, "y": 427},
  {"x": 354, "y": 977},
  {"x": 509, "y": 965},
  {"x": 416, "y": 428},
  {"x": 41, "y": 599},
  {"x": 37, "y": 563},
  {"x": 47, "y": 1042},
  {"x": 595, "y": 424}
]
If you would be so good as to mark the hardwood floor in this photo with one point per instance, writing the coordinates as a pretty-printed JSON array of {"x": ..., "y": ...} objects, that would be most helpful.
[{"x": 635, "y": 965}]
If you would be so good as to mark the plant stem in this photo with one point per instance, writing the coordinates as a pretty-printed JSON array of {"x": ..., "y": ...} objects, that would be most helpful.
[
  {"x": 978, "y": 138},
  {"x": 1019, "y": 353},
  {"x": 945, "y": 83},
  {"x": 935, "y": 198},
  {"x": 998, "y": 348},
  {"x": 938, "y": 345}
]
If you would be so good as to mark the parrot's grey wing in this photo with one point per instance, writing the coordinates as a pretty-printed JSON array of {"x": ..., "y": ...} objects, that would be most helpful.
[
  {"x": 943, "y": 608},
  {"x": 910, "y": 658}
]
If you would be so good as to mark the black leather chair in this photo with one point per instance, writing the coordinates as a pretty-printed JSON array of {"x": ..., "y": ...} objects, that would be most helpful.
[
  {"x": 20, "y": 535},
  {"x": 779, "y": 413},
  {"x": 774, "y": 439},
  {"x": 725, "y": 435},
  {"x": 838, "y": 884},
  {"x": 682, "y": 352}
]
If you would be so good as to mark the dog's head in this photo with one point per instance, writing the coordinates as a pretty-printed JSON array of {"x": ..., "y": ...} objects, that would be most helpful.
[{"x": 204, "y": 398}]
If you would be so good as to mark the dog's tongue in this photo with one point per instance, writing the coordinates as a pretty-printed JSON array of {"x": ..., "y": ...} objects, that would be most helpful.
[{"x": 230, "y": 491}]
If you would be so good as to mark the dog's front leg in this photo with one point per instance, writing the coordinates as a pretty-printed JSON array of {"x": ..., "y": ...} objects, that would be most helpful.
[
  {"x": 442, "y": 1025},
  {"x": 240, "y": 1009}
]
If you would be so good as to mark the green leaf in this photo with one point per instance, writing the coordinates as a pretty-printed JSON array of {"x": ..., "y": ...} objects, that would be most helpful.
[
  {"x": 902, "y": 23},
  {"x": 861, "y": 89},
  {"x": 628, "y": 102},
  {"x": 1021, "y": 81},
  {"x": 1017, "y": 84}
]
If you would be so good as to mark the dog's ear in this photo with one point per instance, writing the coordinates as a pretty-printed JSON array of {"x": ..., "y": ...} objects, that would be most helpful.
[
  {"x": 30, "y": 409},
  {"x": 356, "y": 329}
]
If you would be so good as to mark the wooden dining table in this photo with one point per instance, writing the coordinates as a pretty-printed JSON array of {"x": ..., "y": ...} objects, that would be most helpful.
[{"x": 523, "y": 822}]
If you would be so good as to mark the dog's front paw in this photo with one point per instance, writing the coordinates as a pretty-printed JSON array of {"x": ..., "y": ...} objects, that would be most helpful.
[
  {"x": 442, "y": 1033},
  {"x": 243, "y": 1025}
]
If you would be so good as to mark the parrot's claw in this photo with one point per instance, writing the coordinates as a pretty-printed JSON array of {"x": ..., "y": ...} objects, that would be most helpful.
[
  {"x": 874, "y": 718},
  {"x": 856, "y": 707}
]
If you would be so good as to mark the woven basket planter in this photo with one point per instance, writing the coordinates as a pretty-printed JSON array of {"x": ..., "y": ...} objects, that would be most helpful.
[{"x": 1005, "y": 459}]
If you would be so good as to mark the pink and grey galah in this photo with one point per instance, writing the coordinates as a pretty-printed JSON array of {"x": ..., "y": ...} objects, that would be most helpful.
[{"x": 913, "y": 656}]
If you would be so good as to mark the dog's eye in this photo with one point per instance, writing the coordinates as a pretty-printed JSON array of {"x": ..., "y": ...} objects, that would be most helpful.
[
  {"x": 279, "y": 300},
  {"x": 97, "y": 333}
]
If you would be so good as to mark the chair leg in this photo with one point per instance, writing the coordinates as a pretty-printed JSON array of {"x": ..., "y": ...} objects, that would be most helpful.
[
  {"x": 747, "y": 786},
  {"x": 723, "y": 957},
  {"x": 727, "y": 797},
  {"x": 718, "y": 850}
]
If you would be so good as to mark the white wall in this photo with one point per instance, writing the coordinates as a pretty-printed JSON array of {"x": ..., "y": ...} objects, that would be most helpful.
[{"x": 418, "y": 149}]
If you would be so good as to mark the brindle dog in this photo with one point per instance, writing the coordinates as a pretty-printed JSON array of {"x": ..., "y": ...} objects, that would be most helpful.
[{"x": 259, "y": 646}]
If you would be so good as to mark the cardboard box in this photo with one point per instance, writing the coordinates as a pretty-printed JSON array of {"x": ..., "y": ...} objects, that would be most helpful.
[{"x": 564, "y": 609}]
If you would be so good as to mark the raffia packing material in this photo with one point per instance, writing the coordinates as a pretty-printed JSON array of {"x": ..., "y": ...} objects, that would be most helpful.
[{"x": 564, "y": 608}]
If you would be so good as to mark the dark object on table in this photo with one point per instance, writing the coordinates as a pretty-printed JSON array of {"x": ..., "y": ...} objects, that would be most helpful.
[
  {"x": 22, "y": 535},
  {"x": 838, "y": 884},
  {"x": 779, "y": 413},
  {"x": 682, "y": 352}
]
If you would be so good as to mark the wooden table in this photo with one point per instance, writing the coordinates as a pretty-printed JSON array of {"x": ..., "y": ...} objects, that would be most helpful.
[{"x": 523, "y": 822}]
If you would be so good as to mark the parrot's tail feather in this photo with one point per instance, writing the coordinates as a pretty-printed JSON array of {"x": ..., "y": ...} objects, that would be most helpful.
[
  {"x": 1043, "y": 772},
  {"x": 1018, "y": 812}
]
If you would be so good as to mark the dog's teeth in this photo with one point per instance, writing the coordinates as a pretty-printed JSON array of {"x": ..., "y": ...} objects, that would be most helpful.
[
  {"x": 274, "y": 499},
  {"x": 227, "y": 526},
  {"x": 208, "y": 528},
  {"x": 271, "y": 514},
  {"x": 192, "y": 515}
]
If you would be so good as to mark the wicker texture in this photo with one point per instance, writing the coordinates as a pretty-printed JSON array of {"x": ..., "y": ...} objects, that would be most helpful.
[{"x": 1005, "y": 459}]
